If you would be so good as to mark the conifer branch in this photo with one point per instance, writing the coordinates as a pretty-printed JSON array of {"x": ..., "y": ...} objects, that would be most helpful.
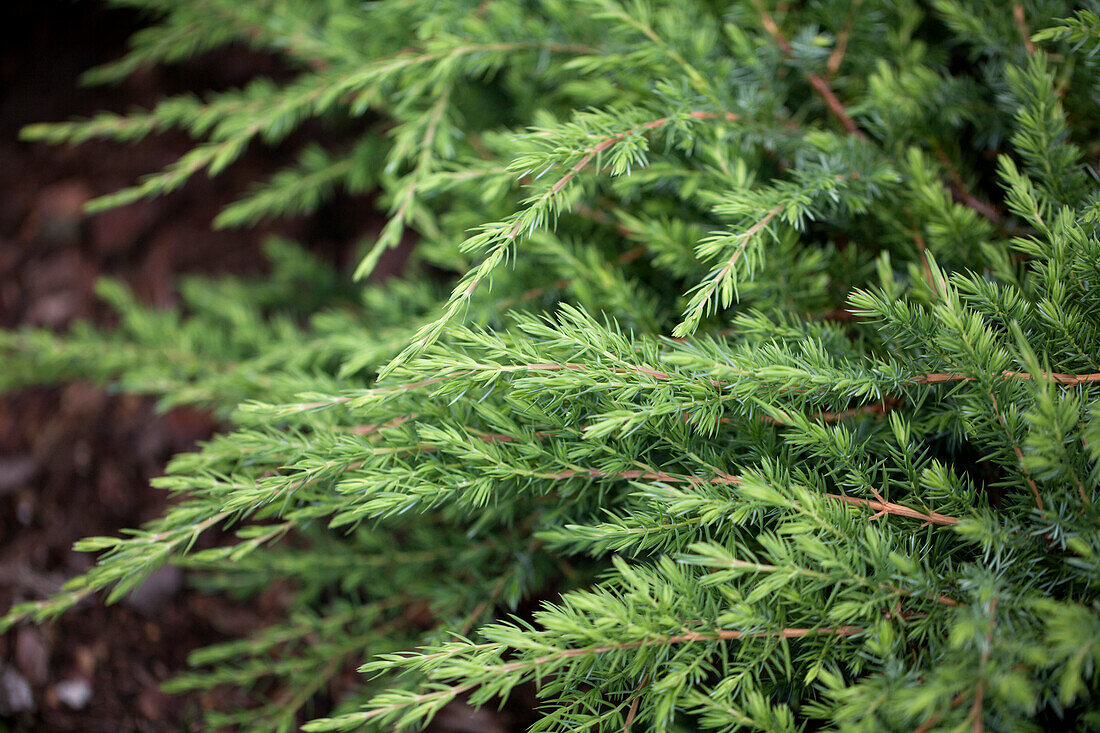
[
  {"x": 697, "y": 78},
  {"x": 931, "y": 378},
  {"x": 719, "y": 281},
  {"x": 884, "y": 507},
  {"x": 395, "y": 228},
  {"x": 528, "y": 666},
  {"x": 686, "y": 638},
  {"x": 498, "y": 238},
  {"x": 879, "y": 505},
  {"x": 414, "y": 56}
]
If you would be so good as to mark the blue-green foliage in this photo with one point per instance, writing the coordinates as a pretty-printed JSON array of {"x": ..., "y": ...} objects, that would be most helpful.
[{"x": 758, "y": 342}]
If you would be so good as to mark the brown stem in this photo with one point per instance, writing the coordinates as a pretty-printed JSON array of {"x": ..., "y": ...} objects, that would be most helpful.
[
  {"x": 1021, "y": 23},
  {"x": 962, "y": 193},
  {"x": 880, "y": 506},
  {"x": 1019, "y": 453},
  {"x": 633, "y": 712},
  {"x": 690, "y": 637},
  {"x": 931, "y": 722},
  {"x": 1067, "y": 379},
  {"x": 717, "y": 635},
  {"x": 835, "y": 58},
  {"x": 587, "y": 158},
  {"x": 886, "y": 507},
  {"x": 924, "y": 261},
  {"x": 877, "y": 409},
  {"x": 933, "y": 378},
  {"x": 716, "y": 279},
  {"x": 835, "y": 106},
  {"x": 820, "y": 85},
  {"x": 979, "y": 696},
  {"x": 604, "y": 144}
]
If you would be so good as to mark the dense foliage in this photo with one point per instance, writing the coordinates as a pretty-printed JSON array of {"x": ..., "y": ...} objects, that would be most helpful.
[{"x": 743, "y": 375}]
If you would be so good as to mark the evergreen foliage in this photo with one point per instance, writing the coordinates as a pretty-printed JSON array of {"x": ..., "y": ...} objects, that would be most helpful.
[{"x": 754, "y": 346}]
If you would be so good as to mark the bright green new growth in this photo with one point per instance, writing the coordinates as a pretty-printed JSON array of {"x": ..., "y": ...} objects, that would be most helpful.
[{"x": 769, "y": 369}]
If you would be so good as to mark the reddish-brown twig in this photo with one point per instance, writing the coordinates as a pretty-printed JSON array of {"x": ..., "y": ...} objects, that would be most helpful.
[
  {"x": 885, "y": 507},
  {"x": 1019, "y": 453},
  {"x": 716, "y": 635},
  {"x": 876, "y": 409},
  {"x": 820, "y": 85},
  {"x": 607, "y": 142},
  {"x": 931, "y": 722},
  {"x": 581, "y": 164},
  {"x": 1021, "y": 23},
  {"x": 923, "y": 249},
  {"x": 977, "y": 726},
  {"x": 688, "y": 638},
  {"x": 836, "y": 107},
  {"x": 630, "y": 715},
  {"x": 879, "y": 505},
  {"x": 1067, "y": 379},
  {"x": 960, "y": 191},
  {"x": 933, "y": 378},
  {"x": 841, "y": 47}
]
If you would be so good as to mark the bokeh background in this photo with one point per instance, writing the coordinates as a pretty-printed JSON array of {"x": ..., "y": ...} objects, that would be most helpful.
[{"x": 76, "y": 460}]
